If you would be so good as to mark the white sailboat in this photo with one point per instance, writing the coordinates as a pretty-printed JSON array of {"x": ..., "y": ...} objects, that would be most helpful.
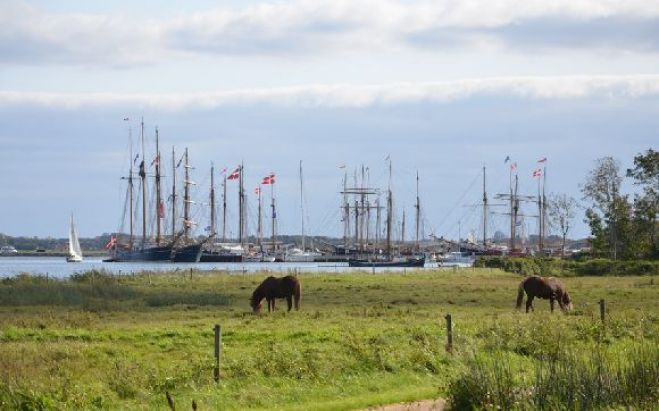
[{"x": 75, "y": 253}]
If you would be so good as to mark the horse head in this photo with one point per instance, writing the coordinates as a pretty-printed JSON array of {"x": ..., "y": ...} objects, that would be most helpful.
[
  {"x": 255, "y": 301},
  {"x": 566, "y": 301}
]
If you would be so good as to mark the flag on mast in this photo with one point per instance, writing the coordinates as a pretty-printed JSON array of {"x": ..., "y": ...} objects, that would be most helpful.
[
  {"x": 235, "y": 175},
  {"x": 268, "y": 179},
  {"x": 542, "y": 160},
  {"x": 537, "y": 172}
]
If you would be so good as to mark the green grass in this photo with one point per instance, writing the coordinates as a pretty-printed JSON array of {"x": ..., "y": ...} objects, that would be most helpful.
[{"x": 360, "y": 339}]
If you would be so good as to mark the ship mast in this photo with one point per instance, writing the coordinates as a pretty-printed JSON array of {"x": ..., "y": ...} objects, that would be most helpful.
[
  {"x": 346, "y": 212},
  {"x": 173, "y": 193},
  {"x": 143, "y": 178},
  {"x": 274, "y": 217},
  {"x": 259, "y": 228},
  {"x": 389, "y": 212},
  {"x": 159, "y": 213},
  {"x": 484, "y": 212},
  {"x": 418, "y": 212},
  {"x": 302, "y": 206},
  {"x": 130, "y": 190},
  {"x": 187, "y": 223},
  {"x": 241, "y": 200},
  {"x": 224, "y": 208},
  {"x": 212, "y": 201}
]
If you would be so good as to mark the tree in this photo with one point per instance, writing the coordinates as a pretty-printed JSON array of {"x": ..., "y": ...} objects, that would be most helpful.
[
  {"x": 602, "y": 187},
  {"x": 645, "y": 174},
  {"x": 562, "y": 210}
]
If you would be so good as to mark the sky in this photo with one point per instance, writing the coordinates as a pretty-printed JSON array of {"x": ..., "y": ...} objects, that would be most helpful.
[{"x": 442, "y": 88}]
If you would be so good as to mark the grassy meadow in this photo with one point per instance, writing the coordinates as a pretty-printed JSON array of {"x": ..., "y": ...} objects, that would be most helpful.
[{"x": 359, "y": 340}]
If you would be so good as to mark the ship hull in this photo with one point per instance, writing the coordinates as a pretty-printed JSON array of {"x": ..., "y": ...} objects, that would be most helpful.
[
  {"x": 412, "y": 262},
  {"x": 187, "y": 254},
  {"x": 157, "y": 253}
]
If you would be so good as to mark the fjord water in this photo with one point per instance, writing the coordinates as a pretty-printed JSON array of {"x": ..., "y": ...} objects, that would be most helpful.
[{"x": 57, "y": 267}]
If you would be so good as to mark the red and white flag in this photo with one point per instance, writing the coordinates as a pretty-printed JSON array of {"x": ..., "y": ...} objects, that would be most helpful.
[
  {"x": 235, "y": 175},
  {"x": 257, "y": 190},
  {"x": 268, "y": 179},
  {"x": 537, "y": 173},
  {"x": 111, "y": 243},
  {"x": 513, "y": 166},
  {"x": 542, "y": 160}
]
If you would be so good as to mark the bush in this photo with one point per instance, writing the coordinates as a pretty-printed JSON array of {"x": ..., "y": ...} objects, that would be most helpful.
[{"x": 558, "y": 267}]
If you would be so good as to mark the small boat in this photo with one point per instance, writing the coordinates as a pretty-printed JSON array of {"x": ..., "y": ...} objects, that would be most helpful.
[
  {"x": 297, "y": 255},
  {"x": 456, "y": 259},
  {"x": 405, "y": 262},
  {"x": 75, "y": 253}
]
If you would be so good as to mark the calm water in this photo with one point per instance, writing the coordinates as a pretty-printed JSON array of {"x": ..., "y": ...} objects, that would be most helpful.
[{"x": 58, "y": 267}]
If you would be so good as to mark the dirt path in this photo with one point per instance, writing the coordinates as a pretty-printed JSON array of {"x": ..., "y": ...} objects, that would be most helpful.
[{"x": 425, "y": 405}]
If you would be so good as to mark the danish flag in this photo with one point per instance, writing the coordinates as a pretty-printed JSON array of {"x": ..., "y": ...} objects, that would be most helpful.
[
  {"x": 268, "y": 179},
  {"x": 234, "y": 175}
]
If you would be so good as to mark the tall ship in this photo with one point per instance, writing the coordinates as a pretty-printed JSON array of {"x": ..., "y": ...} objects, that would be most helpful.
[{"x": 131, "y": 246}]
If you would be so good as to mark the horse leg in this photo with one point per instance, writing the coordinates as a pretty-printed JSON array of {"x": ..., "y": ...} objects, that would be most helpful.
[
  {"x": 552, "y": 302},
  {"x": 289, "y": 300},
  {"x": 529, "y": 303},
  {"x": 271, "y": 305}
]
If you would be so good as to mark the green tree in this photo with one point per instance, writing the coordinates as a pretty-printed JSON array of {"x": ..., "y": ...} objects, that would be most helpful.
[
  {"x": 645, "y": 174},
  {"x": 602, "y": 188}
]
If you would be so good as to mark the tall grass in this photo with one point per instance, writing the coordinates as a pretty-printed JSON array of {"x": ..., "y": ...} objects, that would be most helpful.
[{"x": 578, "y": 380}]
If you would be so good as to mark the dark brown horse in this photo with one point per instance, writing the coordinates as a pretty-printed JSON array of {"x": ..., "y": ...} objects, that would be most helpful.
[
  {"x": 287, "y": 287},
  {"x": 546, "y": 288}
]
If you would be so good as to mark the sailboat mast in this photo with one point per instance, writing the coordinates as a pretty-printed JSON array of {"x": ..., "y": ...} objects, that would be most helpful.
[
  {"x": 418, "y": 212},
  {"x": 543, "y": 211},
  {"x": 186, "y": 199},
  {"x": 346, "y": 211},
  {"x": 515, "y": 211},
  {"x": 302, "y": 206},
  {"x": 143, "y": 178},
  {"x": 390, "y": 204},
  {"x": 159, "y": 210},
  {"x": 130, "y": 190},
  {"x": 259, "y": 228},
  {"x": 402, "y": 230},
  {"x": 241, "y": 200},
  {"x": 484, "y": 211},
  {"x": 212, "y": 201},
  {"x": 224, "y": 208},
  {"x": 173, "y": 192},
  {"x": 274, "y": 217}
]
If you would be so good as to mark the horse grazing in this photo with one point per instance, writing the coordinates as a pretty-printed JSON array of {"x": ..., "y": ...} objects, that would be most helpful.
[
  {"x": 286, "y": 287},
  {"x": 545, "y": 288}
]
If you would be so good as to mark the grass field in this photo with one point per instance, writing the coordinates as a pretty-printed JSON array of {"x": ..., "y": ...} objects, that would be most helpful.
[{"x": 360, "y": 339}]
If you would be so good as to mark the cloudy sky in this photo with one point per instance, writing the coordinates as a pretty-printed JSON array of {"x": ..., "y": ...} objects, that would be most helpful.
[{"x": 439, "y": 87}]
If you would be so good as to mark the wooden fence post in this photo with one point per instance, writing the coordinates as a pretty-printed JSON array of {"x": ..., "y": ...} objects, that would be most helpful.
[
  {"x": 218, "y": 345},
  {"x": 602, "y": 309},
  {"x": 449, "y": 334}
]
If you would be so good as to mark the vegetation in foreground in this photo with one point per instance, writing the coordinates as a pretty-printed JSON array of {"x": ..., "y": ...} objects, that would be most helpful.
[{"x": 107, "y": 342}]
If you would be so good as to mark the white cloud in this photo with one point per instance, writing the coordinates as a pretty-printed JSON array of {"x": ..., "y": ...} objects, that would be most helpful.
[
  {"x": 355, "y": 96},
  {"x": 31, "y": 35}
]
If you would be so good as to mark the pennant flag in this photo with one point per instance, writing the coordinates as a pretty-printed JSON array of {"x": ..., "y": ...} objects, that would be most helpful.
[
  {"x": 223, "y": 171},
  {"x": 111, "y": 243},
  {"x": 542, "y": 160},
  {"x": 513, "y": 166},
  {"x": 268, "y": 179},
  {"x": 161, "y": 210},
  {"x": 506, "y": 160},
  {"x": 342, "y": 166},
  {"x": 537, "y": 172},
  {"x": 235, "y": 175},
  {"x": 136, "y": 157},
  {"x": 125, "y": 118}
]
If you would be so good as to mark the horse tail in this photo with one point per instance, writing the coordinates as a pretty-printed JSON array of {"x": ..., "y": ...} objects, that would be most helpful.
[
  {"x": 297, "y": 293},
  {"x": 520, "y": 294}
]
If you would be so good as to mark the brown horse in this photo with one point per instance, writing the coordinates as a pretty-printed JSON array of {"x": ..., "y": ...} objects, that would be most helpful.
[
  {"x": 545, "y": 288},
  {"x": 271, "y": 288}
]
